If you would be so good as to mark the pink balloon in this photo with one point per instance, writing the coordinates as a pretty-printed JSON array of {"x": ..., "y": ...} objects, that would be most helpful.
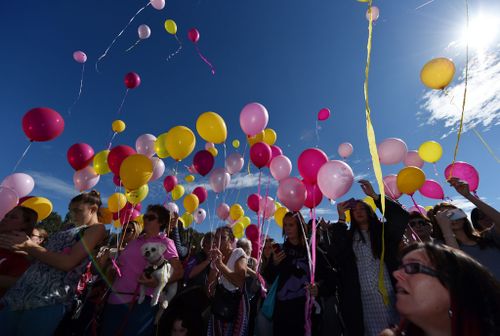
[
  {"x": 413, "y": 159},
  {"x": 21, "y": 183},
  {"x": 42, "y": 124},
  {"x": 203, "y": 162},
  {"x": 392, "y": 151},
  {"x": 158, "y": 168},
  {"x": 223, "y": 211},
  {"x": 234, "y": 163},
  {"x": 209, "y": 145},
  {"x": 420, "y": 210},
  {"x": 79, "y": 56},
  {"x": 391, "y": 186},
  {"x": 309, "y": 163},
  {"x": 191, "y": 169},
  {"x": 201, "y": 193},
  {"x": 253, "y": 202},
  {"x": 432, "y": 189},
  {"x": 137, "y": 207},
  {"x": 275, "y": 151},
  {"x": 464, "y": 171},
  {"x": 200, "y": 215},
  {"x": 169, "y": 183},
  {"x": 143, "y": 31},
  {"x": 193, "y": 35},
  {"x": 172, "y": 207},
  {"x": 267, "y": 207},
  {"x": 80, "y": 155},
  {"x": 85, "y": 178},
  {"x": 335, "y": 178},
  {"x": 374, "y": 13},
  {"x": 8, "y": 200},
  {"x": 132, "y": 80},
  {"x": 323, "y": 114},
  {"x": 345, "y": 150},
  {"x": 314, "y": 195},
  {"x": 219, "y": 179},
  {"x": 128, "y": 214},
  {"x": 260, "y": 154},
  {"x": 292, "y": 193},
  {"x": 158, "y": 4},
  {"x": 253, "y": 119},
  {"x": 252, "y": 232},
  {"x": 117, "y": 181},
  {"x": 145, "y": 145},
  {"x": 280, "y": 167}
]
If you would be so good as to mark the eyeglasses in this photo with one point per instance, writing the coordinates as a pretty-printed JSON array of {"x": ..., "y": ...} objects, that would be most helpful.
[
  {"x": 414, "y": 268},
  {"x": 150, "y": 217},
  {"x": 129, "y": 230},
  {"x": 420, "y": 222}
]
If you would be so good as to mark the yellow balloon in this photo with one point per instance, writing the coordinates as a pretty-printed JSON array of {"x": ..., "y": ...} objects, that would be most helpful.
[
  {"x": 368, "y": 200},
  {"x": 116, "y": 202},
  {"x": 245, "y": 221},
  {"x": 171, "y": 27},
  {"x": 430, "y": 151},
  {"x": 161, "y": 146},
  {"x": 279, "y": 215},
  {"x": 428, "y": 208},
  {"x": 137, "y": 196},
  {"x": 437, "y": 73},
  {"x": 213, "y": 151},
  {"x": 191, "y": 203},
  {"x": 187, "y": 219},
  {"x": 135, "y": 171},
  {"x": 177, "y": 192},
  {"x": 270, "y": 136},
  {"x": 238, "y": 230},
  {"x": 189, "y": 178},
  {"x": 105, "y": 216},
  {"x": 118, "y": 126},
  {"x": 117, "y": 224},
  {"x": 180, "y": 142},
  {"x": 41, "y": 205},
  {"x": 410, "y": 179},
  {"x": 101, "y": 162},
  {"x": 236, "y": 143},
  {"x": 256, "y": 138},
  {"x": 236, "y": 211},
  {"x": 211, "y": 127},
  {"x": 348, "y": 216}
]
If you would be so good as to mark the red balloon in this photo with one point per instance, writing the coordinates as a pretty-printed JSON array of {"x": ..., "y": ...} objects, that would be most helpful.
[
  {"x": 193, "y": 35},
  {"x": 252, "y": 232},
  {"x": 115, "y": 215},
  {"x": 309, "y": 163},
  {"x": 314, "y": 195},
  {"x": 253, "y": 202},
  {"x": 42, "y": 124},
  {"x": 137, "y": 207},
  {"x": 201, "y": 193},
  {"x": 132, "y": 80},
  {"x": 116, "y": 157},
  {"x": 203, "y": 162},
  {"x": 126, "y": 215},
  {"x": 80, "y": 155},
  {"x": 260, "y": 154},
  {"x": 25, "y": 198},
  {"x": 169, "y": 183},
  {"x": 117, "y": 181}
]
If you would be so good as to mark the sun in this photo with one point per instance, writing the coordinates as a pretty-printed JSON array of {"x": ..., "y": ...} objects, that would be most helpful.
[{"x": 482, "y": 32}]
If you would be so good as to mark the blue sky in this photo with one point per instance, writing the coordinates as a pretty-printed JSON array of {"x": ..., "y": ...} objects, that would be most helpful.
[{"x": 294, "y": 57}]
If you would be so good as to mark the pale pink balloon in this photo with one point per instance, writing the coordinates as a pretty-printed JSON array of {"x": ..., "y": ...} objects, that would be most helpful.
[
  {"x": 391, "y": 186},
  {"x": 209, "y": 145},
  {"x": 375, "y": 12},
  {"x": 8, "y": 200},
  {"x": 420, "y": 210},
  {"x": 80, "y": 57},
  {"x": 223, "y": 211},
  {"x": 219, "y": 179},
  {"x": 21, "y": 183},
  {"x": 413, "y": 159},
  {"x": 335, "y": 178},
  {"x": 280, "y": 167},
  {"x": 158, "y": 4},
  {"x": 292, "y": 193},
  {"x": 345, "y": 150},
  {"x": 145, "y": 145},
  {"x": 253, "y": 118},
  {"x": 267, "y": 207},
  {"x": 144, "y": 31},
  {"x": 158, "y": 168},
  {"x": 172, "y": 207},
  {"x": 323, "y": 114},
  {"x": 191, "y": 169},
  {"x": 432, "y": 189},
  {"x": 234, "y": 163},
  {"x": 200, "y": 215},
  {"x": 85, "y": 178},
  {"x": 392, "y": 151}
]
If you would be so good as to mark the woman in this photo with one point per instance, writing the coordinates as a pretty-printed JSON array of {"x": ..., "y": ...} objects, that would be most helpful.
[
  {"x": 419, "y": 228},
  {"x": 357, "y": 251},
  {"x": 37, "y": 302},
  {"x": 442, "y": 291},
  {"x": 226, "y": 282},
  {"x": 123, "y": 315},
  {"x": 39, "y": 235}
]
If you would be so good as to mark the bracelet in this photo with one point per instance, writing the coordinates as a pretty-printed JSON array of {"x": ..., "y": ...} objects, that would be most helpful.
[{"x": 341, "y": 220}]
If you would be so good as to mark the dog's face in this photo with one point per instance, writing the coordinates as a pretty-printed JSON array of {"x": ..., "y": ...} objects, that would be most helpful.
[{"x": 153, "y": 251}]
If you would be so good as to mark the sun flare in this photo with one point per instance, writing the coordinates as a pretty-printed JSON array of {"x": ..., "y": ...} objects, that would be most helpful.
[{"x": 482, "y": 32}]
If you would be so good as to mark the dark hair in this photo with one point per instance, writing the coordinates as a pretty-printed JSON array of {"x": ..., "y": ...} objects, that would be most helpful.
[
  {"x": 92, "y": 197},
  {"x": 474, "y": 292},
  {"x": 475, "y": 216},
  {"x": 162, "y": 213},
  {"x": 301, "y": 227},
  {"x": 30, "y": 217},
  {"x": 42, "y": 233},
  {"x": 207, "y": 237},
  {"x": 225, "y": 230},
  {"x": 375, "y": 229}
]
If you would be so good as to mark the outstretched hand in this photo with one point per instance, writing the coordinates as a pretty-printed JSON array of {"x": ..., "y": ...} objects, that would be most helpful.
[
  {"x": 367, "y": 188},
  {"x": 462, "y": 187}
]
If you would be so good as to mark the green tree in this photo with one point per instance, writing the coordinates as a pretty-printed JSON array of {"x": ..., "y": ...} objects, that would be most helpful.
[{"x": 53, "y": 223}]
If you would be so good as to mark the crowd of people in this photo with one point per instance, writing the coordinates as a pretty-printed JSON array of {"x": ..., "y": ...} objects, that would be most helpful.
[{"x": 410, "y": 273}]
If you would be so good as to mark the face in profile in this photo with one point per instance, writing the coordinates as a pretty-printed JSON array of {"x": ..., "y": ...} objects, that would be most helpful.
[
  {"x": 81, "y": 213},
  {"x": 13, "y": 221}
]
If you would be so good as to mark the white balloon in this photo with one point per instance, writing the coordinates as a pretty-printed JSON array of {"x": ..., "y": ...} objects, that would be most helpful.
[
  {"x": 158, "y": 168},
  {"x": 158, "y": 4},
  {"x": 172, "y": 207},
  {"x": 144, "y": 31}
]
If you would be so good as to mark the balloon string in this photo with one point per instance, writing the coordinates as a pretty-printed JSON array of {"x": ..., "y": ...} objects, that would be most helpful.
[
  {"x": 485, "y": 144},
  {"x": 123, "y": 101},
  {"x": 204, "y": 59},
  {"x": 111, "y": 141},
  {"x": 178, "y": 49},
  {"x": 391, "y": 193},
  {"x": 117, "y": 36},
  {"x": 79, "y": 91},
  {"x": 22, "y": 157},
  {"x": 435, "y": 169},
  {"x": 133, "y": 45}
]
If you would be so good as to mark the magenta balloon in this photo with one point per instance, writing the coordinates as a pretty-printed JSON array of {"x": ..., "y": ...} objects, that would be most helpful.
[
  {"x": 391, "y": 186},
  {"x": 267, "y": 207},
  {"x": 21, "y": 183},
  {"x": 219, "y": 179},
  {"x": 420, "y": 210},
  {"x": 335, "y": 178},
  {"x": 117, "y": 181},
  {"x": 193, "y": 35},
  {"x": 145, "y": 145},
  {"x": 203, "y": 162},
  {"x": 158, "y": 4},
  {"x": 172, "y": 207},
  {"x": 323, "y": 114},
  {"x": 8, "y": 200},
  {"x": 252, "y": 232},
  {"x": 79, "y": 56},
  {"x": 200, "y": 215},
  {"x": 201, "y": 193},
  {"x": 158, "y": 168},
  {"x": 132, "y": 80},
  {"x": 292, "y": 193},
  {"x": 137, "y": 207},
  {"x": 169, "y": 183},
  {"x": 314, "y": 195},
  {"x": 309, "y": 163},
  {"x": 42, "y": 124},
  {"x": 260, "y": 154},
  {"x": 392, "y": 151},
  {"x": 80, "y": 155},
  {"x": 234, "y": 163},
  {"x": 253, "y": 202},
  {"x": 85, "y": 178},
  {"x": 432, "y": 189},
  {"x": 464, "y": 171},
  {"x": 253, "y": 119},
  {"x": 223, "y": 211},
  {"x": 413, "y": 159},
  {"x": 275, "y": 151},
  {"x": 127, "y": 215},
  {"x": 345, "y": 150},
  {"x": 280, "y": 167}
]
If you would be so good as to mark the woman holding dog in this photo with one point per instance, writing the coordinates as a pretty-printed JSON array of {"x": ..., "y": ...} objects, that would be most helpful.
[{"x": 123, "y": 315}]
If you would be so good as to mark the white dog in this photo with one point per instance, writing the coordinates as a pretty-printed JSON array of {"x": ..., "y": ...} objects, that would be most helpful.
[{"x": 160, "y": 269}]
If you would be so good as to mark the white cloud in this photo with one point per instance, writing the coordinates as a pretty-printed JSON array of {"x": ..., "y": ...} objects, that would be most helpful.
[
  {"x": 53, "y": 186},
  {"x": 464, "y": 204}
]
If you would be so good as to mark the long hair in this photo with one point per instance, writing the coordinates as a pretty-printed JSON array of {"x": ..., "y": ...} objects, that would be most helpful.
[
  {"x": 375, "y": 229},
  {"x": 301, "y": 226}
]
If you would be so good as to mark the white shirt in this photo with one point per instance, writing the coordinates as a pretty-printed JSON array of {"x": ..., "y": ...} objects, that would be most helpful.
[{"x": 235, "y": 256}]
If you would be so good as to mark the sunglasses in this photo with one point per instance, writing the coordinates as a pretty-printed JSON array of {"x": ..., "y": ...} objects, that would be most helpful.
[
  {"x": 129, "y": 230},
  {"x": 420, "y": 222},
  {"x": 150, "y": 217},
  {"x": 414, "y": 268}
]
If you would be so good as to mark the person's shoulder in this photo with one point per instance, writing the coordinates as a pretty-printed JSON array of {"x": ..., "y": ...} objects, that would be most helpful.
[{"x": 238, "y": 253}]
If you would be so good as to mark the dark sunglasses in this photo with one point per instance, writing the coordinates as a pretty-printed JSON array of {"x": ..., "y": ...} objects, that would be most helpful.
[
  {"x": 150, "y": 217},
  {"x": 414, "y": 268},
  {"x": 420, "y": 222},
  {"x": 130, "y": 230}
]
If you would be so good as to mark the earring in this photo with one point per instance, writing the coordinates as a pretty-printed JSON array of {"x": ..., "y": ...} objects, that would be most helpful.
[{"x": 450, "y": 313}]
